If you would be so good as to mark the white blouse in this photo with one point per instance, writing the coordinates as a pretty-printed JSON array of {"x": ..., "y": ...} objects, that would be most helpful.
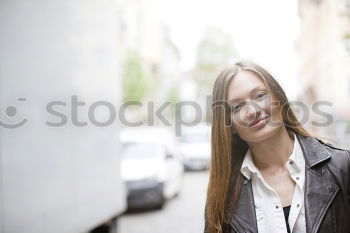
[{"x": 269, "y": 210}]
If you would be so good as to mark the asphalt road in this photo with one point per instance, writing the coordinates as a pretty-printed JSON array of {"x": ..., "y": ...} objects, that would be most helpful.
[{"x": 182, "y": 214}]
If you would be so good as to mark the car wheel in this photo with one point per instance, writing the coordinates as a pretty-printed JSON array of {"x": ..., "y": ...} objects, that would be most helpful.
[
  {"x": 109, "y": 227},
  {"x": 159, "y": 206}
]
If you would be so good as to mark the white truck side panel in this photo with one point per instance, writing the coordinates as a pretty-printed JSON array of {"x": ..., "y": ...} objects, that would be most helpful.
[{"x": 58, "y": 179}]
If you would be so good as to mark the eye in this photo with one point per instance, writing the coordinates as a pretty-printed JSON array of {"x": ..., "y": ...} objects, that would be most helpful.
[
  {"x": 260, "y": 95},
  {"x": 236, "y": 107}
]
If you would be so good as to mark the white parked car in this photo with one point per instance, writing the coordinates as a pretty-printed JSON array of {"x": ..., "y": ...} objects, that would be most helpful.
[
  {"x": 195, "y": 147},
  {"x": 151, "y": 166}
]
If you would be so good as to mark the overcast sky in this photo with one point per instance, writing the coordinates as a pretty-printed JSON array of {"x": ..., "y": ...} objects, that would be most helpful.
[{"x": 264, "y": 31}]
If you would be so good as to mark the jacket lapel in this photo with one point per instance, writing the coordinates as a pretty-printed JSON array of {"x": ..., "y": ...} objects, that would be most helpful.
[
  {"x": 244, "y": 218},
  {"x": 320, "y": 189}
]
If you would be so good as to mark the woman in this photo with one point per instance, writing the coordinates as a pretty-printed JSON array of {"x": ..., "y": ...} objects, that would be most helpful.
[{"x": 268, "y": 174}]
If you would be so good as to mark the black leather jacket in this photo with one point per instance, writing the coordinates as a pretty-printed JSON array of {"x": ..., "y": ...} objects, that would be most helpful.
[{"x": 326, "y": 192}]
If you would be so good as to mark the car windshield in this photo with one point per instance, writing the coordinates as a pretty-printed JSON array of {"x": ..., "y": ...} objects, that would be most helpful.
[
  {"x": 194, "y": 138},
  {"x": 141, "y": 150}
]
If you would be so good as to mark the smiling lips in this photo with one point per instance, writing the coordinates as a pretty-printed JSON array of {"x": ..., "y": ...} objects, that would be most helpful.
[{"x": 259, "y": 122}]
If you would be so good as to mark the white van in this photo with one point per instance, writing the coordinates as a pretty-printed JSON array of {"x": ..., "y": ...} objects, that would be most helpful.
[
  {"x": 195, "y": 147},
  {"x": 151, "y": 166}
]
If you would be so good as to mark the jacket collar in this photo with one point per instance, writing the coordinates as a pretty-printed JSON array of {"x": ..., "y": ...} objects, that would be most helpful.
[{"x": 320, "y": 189}]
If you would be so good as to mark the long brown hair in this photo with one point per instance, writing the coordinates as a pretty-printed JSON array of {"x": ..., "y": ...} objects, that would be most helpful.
[{"x": 228, "y": 149}]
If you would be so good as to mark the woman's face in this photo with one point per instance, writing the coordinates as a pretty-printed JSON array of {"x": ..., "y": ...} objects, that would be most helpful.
[{"x": 250, "y": 101}]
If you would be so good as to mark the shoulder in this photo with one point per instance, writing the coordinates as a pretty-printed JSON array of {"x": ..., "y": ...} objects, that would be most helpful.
[
  {"x": 339, "y": 158},
  {"x": 332, "y": 149},
  {"x": 331, "y": 146}
]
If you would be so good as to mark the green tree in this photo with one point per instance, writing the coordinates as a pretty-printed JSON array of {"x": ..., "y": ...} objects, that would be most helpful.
[
  {"x": 137, "y": 83},
  {"x": 214, "y": 52}
]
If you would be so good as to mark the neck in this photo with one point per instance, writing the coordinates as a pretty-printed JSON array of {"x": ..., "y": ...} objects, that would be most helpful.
[{"x": 273, "y": 152}]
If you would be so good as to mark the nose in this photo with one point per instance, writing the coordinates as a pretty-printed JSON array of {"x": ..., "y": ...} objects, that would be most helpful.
[{"x": 252, "y": 111}]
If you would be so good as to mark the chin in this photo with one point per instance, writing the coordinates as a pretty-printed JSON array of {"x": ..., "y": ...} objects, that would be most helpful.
[{"x": 261, "y": 134}]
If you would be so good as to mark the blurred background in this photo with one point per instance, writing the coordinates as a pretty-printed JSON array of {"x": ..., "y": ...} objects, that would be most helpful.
[{"x": 105, "y": 105}]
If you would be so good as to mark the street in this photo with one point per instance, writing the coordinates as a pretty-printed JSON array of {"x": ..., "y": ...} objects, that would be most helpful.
[{"x": 182, "y": 214}]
